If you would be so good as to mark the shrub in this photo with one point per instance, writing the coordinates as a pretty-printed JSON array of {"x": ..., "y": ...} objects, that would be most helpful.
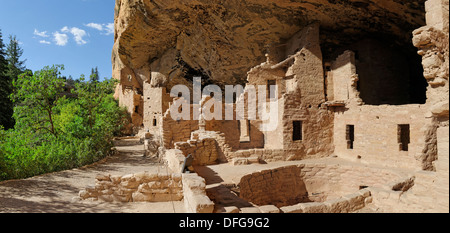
[{"x": 56, "y": 129}]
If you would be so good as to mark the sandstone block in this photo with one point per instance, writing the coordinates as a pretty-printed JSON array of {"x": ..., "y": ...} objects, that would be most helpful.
[
  {"x": 250, "y": 210},
  {"x": 338, "y": 205},
  {"x": 106, "y": 198},
  {"x": 122, "y": 198},
  {"x": 239, "y": 161},
  {"x": 193, "y": 182},
  {"x": 116, "y": 179},
  {"x": 101, "y": 177},
  {"x": 269, "y": 209},
  {"x": 176, "y": 177},
  {"x": 130, "y": 184},
  {"x": 314, "y": 207},
  {"x": 84, "y": 194},
  {"x": 292, "y": 209},
  {"x": 228, "y": 210},
  {"x": 153, "y": 185},
  {"x": 198, "y": 204}
]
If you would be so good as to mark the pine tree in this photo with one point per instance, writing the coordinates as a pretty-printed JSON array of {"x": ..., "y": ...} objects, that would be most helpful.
[
  {"x": 6, "y": 106},
  {"x": 14, "y": 52},
  {"x": 95, "y": 76}
]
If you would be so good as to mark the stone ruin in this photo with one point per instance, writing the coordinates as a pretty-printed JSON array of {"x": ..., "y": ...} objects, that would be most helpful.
[{"x": 353, "y": 91}]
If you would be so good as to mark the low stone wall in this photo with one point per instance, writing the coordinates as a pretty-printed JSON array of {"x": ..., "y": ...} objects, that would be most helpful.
[
  {"x": 203, "y": 150},
  {"x": 174, "y": 160},
  {"x": 290, "y": 185},
  {"x": 141, "y": 187},
  {"x": 148, "y": 187},
  {"x": 346, "y": 204},
  {"x": 195, "y": 198},
  {"x": 268, "y": 155}
]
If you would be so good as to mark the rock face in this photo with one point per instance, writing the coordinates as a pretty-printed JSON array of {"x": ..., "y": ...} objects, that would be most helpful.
[
  {"x": 222, "y": 40},
  {"x": 365, "y": 81}
]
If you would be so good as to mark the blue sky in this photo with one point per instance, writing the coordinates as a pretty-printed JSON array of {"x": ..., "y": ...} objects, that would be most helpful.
[{"x": 76, "y": 33}]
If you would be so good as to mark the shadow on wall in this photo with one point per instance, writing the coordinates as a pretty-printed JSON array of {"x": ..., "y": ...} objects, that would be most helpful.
[{"x": 388, "y": 73}]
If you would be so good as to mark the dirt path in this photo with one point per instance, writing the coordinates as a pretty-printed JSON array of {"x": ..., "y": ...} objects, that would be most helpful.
[{"x": 57, "y": 192}]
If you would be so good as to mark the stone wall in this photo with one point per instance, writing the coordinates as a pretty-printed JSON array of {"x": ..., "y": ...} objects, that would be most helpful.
[
  {"x": 301, "y": 93},
  {"x": 346, "y": 204},
  {"x": 141, "y": 187},
  {"x": 204, "y": 151},
  {"x": 313, "y": 183},
  {"x": 148, "y": 187},
  {"x": 129, "y": 98},
  {"x": 430, "y": 193},
  {"x": 177, "y": 131},
  {"x": 195, "y": 198},
  {"x": 156, "y": 103},
  {"x": 174, "y": 160},
  {"x": 344, "y": 79},
  {"x": 376, "y": 138}
]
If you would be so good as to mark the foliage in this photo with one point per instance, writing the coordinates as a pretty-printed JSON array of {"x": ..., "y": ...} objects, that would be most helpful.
[
  {"x": 58, "y": 127},
  {"x": 95, "y": 75},
  {"x": 14, "y": 52},
  {"x": 6, "y": 107},
  {"x": 35, "y": 97}
]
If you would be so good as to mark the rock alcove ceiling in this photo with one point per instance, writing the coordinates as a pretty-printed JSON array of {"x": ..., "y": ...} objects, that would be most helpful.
[{"x": 223, "y": 39}]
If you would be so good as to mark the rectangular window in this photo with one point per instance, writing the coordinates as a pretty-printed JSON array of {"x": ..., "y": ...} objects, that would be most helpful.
[
  {"x": 297, "y": 131},
  {"x": 350, "y": 136},
  {"x": 155, "y": 122},
  {"x": 404, "y": 137}
]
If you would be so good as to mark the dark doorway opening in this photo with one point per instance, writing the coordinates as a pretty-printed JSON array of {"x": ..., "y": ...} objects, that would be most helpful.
[
  {"x": 350, "y": 136},
  {"x": 404, "y": 137},
  {"x": 297, "y": 131}
]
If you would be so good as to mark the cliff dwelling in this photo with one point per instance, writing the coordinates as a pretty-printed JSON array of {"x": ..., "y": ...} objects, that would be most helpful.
[{"x": 362, "y": 102}]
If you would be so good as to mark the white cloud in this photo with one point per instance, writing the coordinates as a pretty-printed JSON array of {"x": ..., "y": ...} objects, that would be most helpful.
[
  {"x": 78, "y": 35},
  {"x": 44, "y": 42},
  {"x": 95, "y": 26},
  {"x": 41, "y": 34},
  {"x": 65, "y": 29},
  {"x": 61, "y": 39},
  {"x": 109, "y": 28}
]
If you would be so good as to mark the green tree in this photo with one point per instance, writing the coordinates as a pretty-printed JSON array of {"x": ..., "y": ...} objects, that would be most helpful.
[
  {"x": 36, "y": 95},
  {"x": 14, "y": 53},
  {"x": 6, "y": 106},
  {"x": 95, "y": 76},
  {"x": 57, "y": 129}
]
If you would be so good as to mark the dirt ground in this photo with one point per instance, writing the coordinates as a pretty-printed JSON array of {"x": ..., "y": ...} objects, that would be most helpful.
[{"x": 57, "y": 192}]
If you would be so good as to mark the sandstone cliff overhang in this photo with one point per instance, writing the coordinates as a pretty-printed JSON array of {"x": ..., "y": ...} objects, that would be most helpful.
[{"x": 222, "y": 40}]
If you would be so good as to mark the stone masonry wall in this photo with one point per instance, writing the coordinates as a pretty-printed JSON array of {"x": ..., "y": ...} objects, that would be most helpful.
[
  {"x": 148, "y": 187},
  {"x": 141, "y": 187},
  {"x": 204, "y": 151},
  {"x": 376, "y": 138},
  {"x": 312, "y": 183}
]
